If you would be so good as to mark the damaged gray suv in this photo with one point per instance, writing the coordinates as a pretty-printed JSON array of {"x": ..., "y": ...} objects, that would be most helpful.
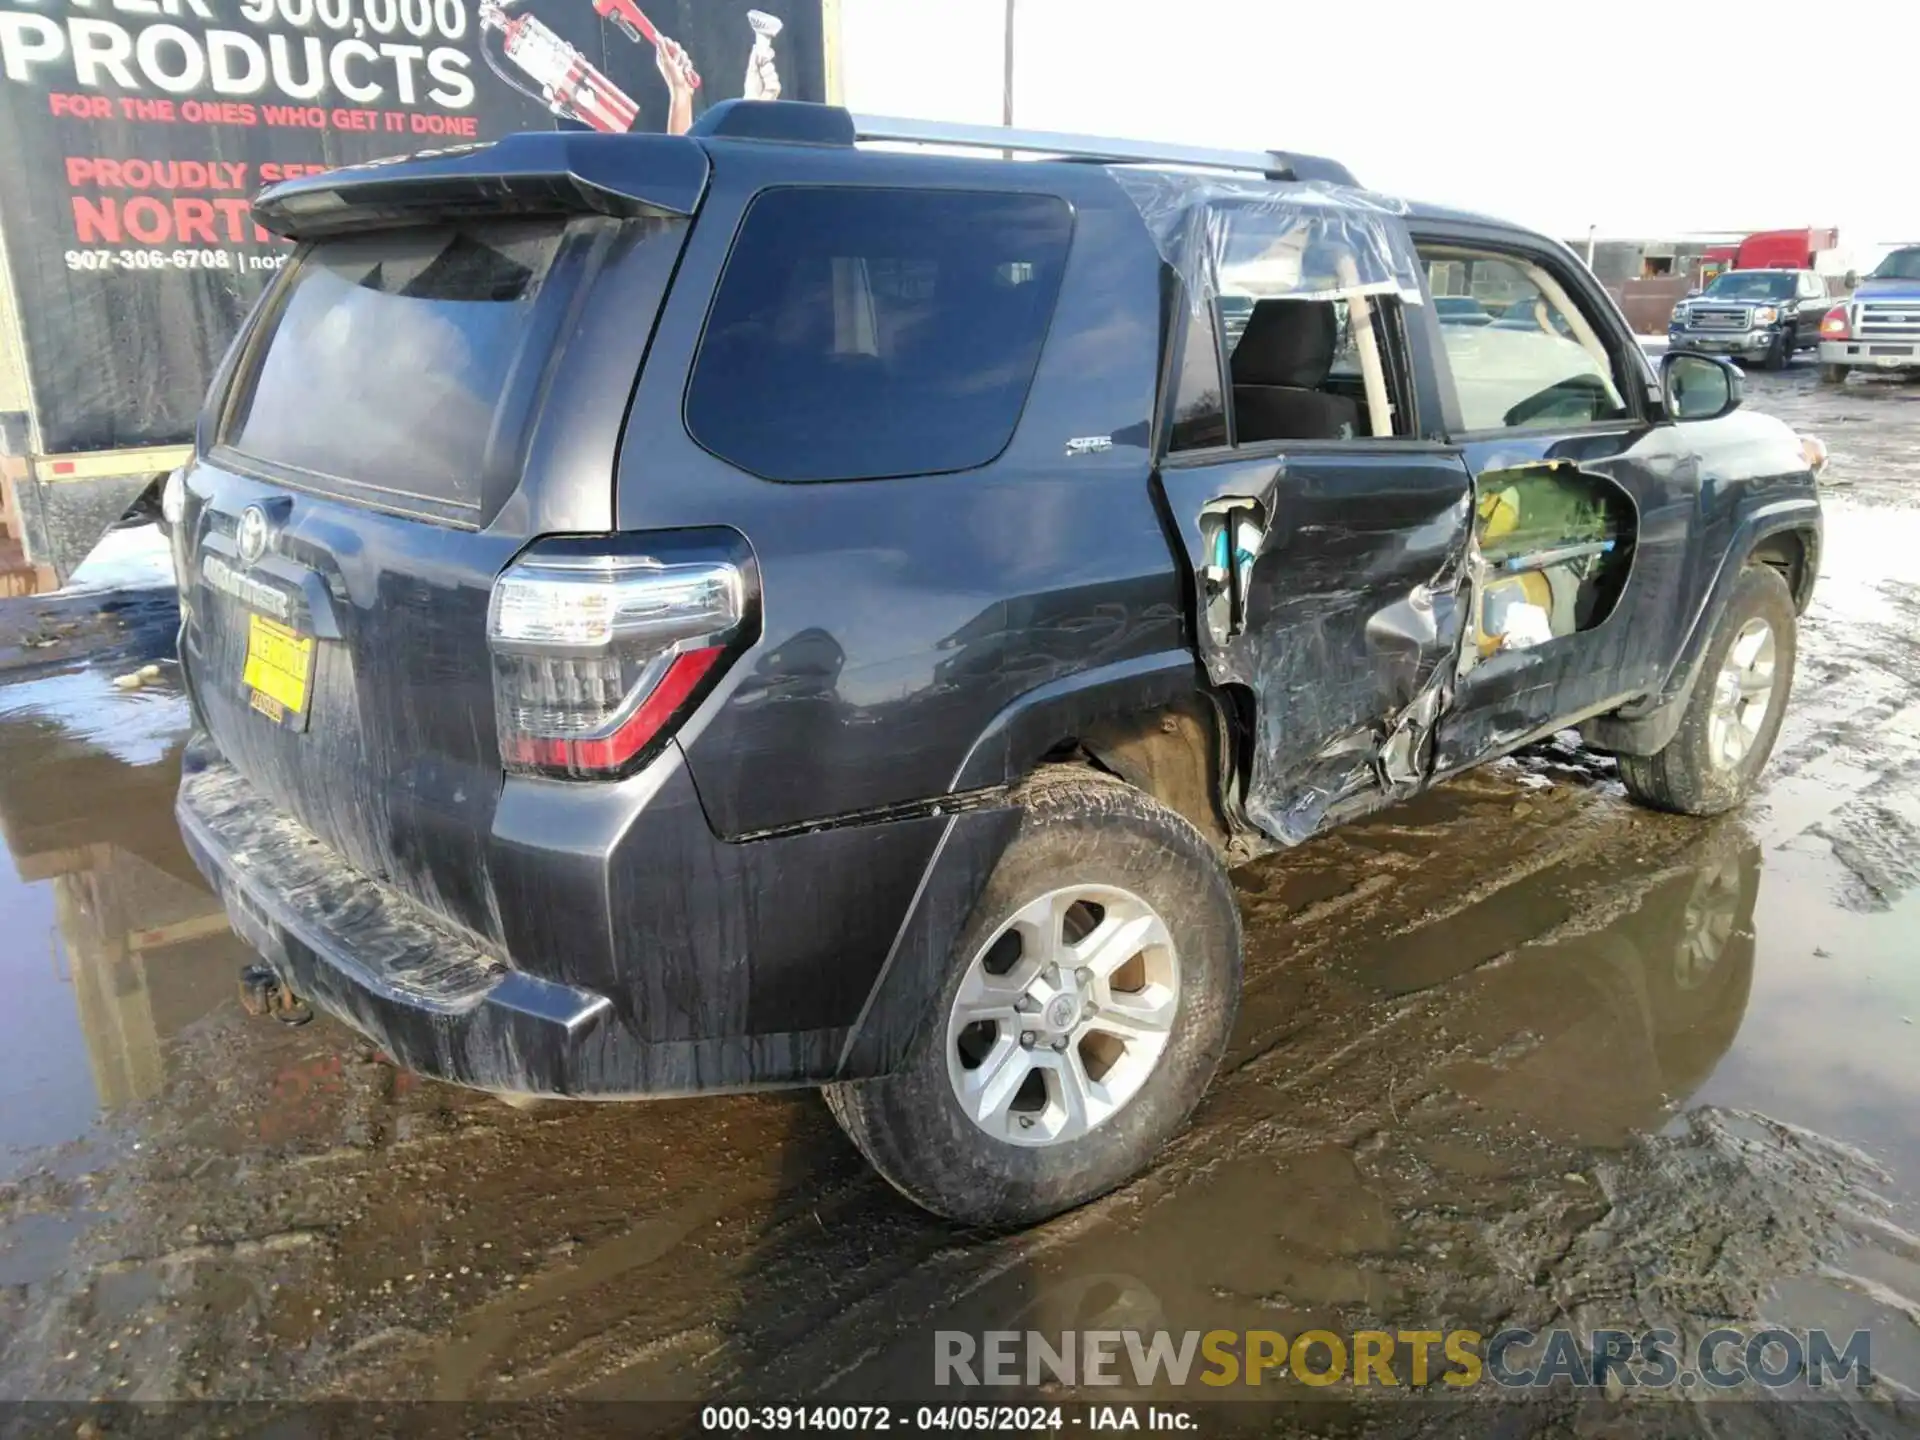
[{"x": 742, "y": 609}]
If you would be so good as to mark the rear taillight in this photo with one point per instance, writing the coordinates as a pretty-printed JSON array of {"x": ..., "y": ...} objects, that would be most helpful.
[
  {"x": 1835, "y": 326},
  {"x": 599, "y": 653}
]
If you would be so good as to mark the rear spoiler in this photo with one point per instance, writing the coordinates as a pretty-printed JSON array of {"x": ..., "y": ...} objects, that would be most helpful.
[{"x": 542, "y": 172}]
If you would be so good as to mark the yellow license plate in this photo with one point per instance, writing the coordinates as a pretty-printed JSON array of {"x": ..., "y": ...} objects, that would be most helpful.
[{"x": 279, "y": 671}]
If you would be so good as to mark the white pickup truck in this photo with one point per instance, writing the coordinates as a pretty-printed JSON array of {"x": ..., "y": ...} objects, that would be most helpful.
[{"x": 1878, "y": 326}]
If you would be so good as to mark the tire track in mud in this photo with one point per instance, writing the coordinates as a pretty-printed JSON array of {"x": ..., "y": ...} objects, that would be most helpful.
[
  {"x": 1878, "y": 841},
  {"x": 578, "y": 1324},
  {"x": 1357, "y": 1051},
  {"x": 1846, "y": 766}
]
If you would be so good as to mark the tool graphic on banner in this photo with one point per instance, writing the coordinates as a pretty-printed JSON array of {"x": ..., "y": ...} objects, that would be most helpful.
[
  {"x": 569, "y": 83},
  {"x": 571, "y": 86},
  {"x": 635, "y": 25},
  {"x": 763, "y": 77}
]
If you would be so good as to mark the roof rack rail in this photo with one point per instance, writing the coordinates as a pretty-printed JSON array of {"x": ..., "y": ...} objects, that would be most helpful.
[{"x": 1273, "y": 164}]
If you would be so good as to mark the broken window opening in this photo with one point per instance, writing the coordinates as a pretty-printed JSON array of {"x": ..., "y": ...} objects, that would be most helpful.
[
  {"x": 1302, "y": 370},
  {"x": 1552, "y": 548},
  {"x": 1290, "y": 278},
  {"x": 1318, "y": 369},
  {"x": 1523, "y": 353}
]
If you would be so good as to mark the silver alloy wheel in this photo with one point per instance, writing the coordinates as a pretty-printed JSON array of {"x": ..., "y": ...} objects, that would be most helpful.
[
  {"x": 1742, "y": 695},
  {"x": 1063, "y": 1014}
]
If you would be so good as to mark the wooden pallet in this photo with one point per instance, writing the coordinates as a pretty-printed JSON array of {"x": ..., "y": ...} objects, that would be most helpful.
[
  {"x": 17, "y": 576},
  {"x": 18, "y": 582}
]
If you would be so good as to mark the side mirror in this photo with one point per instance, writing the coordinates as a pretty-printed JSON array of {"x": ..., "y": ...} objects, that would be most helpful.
[
  {"x": 1693, "y": 292},
  {"x": 1853, "y": 280},
  {"x": 1700, "y": 387}
]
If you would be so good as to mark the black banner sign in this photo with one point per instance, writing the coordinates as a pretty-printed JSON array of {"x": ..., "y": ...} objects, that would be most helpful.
[{"x": 139, "y": 130}]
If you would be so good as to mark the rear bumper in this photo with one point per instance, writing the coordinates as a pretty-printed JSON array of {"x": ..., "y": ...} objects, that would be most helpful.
[
  {"x": 720, "y": 966},
  {"x": 432, "y": 998},
  {"x": 1871, "y": 354}
]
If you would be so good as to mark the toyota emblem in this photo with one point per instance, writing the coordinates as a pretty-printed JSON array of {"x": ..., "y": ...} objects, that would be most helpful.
[{"x": 253, "y": 534}]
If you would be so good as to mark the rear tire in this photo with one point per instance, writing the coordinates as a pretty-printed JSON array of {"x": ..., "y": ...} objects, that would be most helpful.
[
  {"x": 1734, "y": 713},
  {"x": 1143, "y": 872},
  {"x": 1833, "y": 374}
]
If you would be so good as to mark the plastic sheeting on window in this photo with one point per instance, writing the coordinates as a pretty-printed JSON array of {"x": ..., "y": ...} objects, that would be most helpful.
[{"x": 1308, "y": 241}]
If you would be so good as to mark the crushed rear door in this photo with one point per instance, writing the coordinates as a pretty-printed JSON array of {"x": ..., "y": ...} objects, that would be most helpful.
[{"x": 1328, "y": 551}]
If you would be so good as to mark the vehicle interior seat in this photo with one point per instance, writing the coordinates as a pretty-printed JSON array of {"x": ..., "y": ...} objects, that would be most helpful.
[{"x": 1283, "y": 358}]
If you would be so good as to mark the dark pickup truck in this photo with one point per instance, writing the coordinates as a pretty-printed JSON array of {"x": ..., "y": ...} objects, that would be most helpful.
[
  {"x": 1764, "y": 316},
  {"x": 701, "y": 613}
]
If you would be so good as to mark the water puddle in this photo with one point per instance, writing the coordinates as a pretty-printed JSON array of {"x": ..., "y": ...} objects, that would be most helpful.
[{"x": 102, "y": 915}]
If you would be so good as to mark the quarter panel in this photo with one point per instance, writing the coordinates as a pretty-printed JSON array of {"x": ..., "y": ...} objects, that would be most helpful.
[
  {"x": 623, "y": 891},
  {"x": 901, "y": 616}
]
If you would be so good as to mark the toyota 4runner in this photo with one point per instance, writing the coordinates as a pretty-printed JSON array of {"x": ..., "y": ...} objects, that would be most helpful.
[{"x": 737, "y": 610}]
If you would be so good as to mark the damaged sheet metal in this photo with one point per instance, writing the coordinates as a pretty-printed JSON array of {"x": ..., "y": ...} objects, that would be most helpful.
[
  {"x": 1329, "y": 581},
  {"x": 1269, "y": 241},
  {"x": 1409, "y": 640},
  {"x": 1555, "y": 545},
  {"x": 1330, "y": 594}
]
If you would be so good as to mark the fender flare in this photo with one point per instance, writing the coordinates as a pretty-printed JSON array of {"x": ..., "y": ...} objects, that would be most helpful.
[
  {"x": 1647, "y": 728},
  {"x": 1018, "y": 738}
]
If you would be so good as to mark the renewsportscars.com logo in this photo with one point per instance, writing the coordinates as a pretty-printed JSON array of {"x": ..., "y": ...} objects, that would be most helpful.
[{"x": 1513, "y": 1359}]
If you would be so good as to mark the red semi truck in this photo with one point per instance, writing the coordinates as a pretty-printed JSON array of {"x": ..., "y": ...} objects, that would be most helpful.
[{"x": 1769, "y": 250}]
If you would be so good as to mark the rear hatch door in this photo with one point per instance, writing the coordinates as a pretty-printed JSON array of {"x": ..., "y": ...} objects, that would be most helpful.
[{"x": 439, "y": 377}]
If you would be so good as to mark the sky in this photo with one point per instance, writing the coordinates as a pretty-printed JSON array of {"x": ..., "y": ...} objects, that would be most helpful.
[{"x": 1712, "y": 119}]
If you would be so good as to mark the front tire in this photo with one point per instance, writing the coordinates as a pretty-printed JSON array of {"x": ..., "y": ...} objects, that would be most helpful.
[
  {"x": 1733, "y": 716},
  {"x": 1089, "y": 999},
  {"x": 1780, "y": 353},
  {"x": 1833, "y": 374}
]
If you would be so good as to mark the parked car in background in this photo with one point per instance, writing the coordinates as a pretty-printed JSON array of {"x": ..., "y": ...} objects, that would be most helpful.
[
  {"x": 677, "y": 614},
  {"x": 1460, "y": 310},
  {"x": 1878, "y": 327},
  {"x": 1534, "y": 314},
  {"x": 1764, "y": 316}
]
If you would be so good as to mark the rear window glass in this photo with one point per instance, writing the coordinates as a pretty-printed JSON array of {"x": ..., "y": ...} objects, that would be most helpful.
[
  {"x": 860, "y": 333},
  {"x": 393, "y": 355}
]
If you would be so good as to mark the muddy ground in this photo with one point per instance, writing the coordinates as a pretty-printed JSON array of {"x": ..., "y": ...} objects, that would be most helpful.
[{"x": 1516, "y": 1053}]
